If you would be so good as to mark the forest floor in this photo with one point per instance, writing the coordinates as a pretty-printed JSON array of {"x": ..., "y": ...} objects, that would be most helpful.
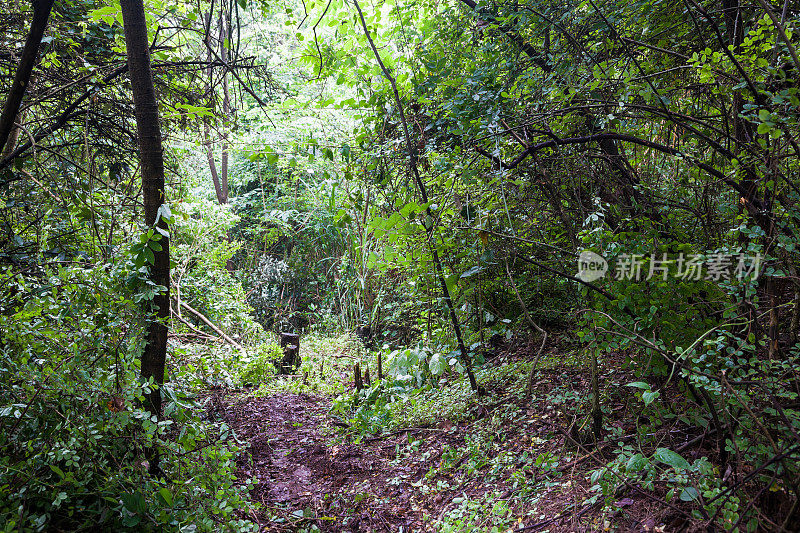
[
  {"x": 507, "y": 466},
  {"x": 305, "y": 478}
]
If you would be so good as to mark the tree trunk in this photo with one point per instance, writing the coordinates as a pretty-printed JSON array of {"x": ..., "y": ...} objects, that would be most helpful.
[
  {"x": 13, "y": 138},
  {"x": 359, "y": 384},
  {"x": 597, "y": 412},
  {"x": 41, "y": 12},
  {"x": 226, "y": 107},
  {"x": 429, "y": 227},
  {"x": 290, "y": 342},
  {"x": 211, "y": 163},
  {"x": 220, "y": 179},
  {"x": 152, "y": 167}
]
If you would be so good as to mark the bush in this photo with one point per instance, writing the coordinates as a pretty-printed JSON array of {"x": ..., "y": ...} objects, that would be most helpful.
[
  {"x": 262, "y": 365},
  {"x": 73, "y": 438}
]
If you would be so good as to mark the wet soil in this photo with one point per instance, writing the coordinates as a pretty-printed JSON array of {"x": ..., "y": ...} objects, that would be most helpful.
[
  {"x": 311, "y": 477},
  {"x": 305, "y": 479}
]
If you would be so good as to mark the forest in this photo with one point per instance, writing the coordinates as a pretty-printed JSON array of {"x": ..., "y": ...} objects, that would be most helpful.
[{"x": 363, "y": 266}]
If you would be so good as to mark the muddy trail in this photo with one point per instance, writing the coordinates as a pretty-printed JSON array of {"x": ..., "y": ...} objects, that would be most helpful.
[
  {"x": 305, "y": 479},
  {"x": 512, "y": 455}
]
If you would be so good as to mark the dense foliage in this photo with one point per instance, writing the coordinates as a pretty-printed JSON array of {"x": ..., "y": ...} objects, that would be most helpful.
[{"x": 427, "y": 176}]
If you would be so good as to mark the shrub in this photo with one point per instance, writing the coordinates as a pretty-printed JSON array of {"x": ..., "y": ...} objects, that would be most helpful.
[{"x": 262, "y": 365}]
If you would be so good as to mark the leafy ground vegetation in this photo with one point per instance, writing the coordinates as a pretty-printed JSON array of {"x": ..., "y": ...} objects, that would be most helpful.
[{"x": 541, "y": 258}]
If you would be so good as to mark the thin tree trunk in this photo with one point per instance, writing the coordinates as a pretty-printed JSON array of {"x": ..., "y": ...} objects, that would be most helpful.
[
  {"x": 13, "y": 138},
  {"x": 211, "y": 163},
  {"x": 597, "y": 411},
  {"x": 532, "y": 372},
  {"x": 412, "y": 156},
  {"x": 41, "y": 12},
  {"x": 148, "y": 130},
  {"x": 794, "y": 324},
  {"x": 224, "y": 26},
  {"x": 774, "y": 329},
  {"x": 226, "y": 107}
]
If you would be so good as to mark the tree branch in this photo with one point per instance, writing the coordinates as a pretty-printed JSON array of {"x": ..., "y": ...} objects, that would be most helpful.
[
  {"x": 41, "y": 12},
  {"x": 210, "y": 324},
  {"x": 530, "y": 51},
  {"x": 619, "y": 137},
  {"x": 69, "y": 113}
]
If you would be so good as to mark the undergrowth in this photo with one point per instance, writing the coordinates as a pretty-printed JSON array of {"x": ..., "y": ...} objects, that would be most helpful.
[
  {"x": 75, "y": 444},
  {"x": 325, "y": 368}
]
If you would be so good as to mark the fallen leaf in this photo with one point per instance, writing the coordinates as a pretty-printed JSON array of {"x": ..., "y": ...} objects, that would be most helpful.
[{"x": 624, "y": 502}]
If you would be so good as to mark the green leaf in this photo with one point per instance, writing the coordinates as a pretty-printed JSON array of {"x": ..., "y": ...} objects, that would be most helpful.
[
  {"x": 438, "y": 364},
  {"x": 163, "y": 212},
  {"x": 166, "y": 494},
  {"x": 689, "y": 494},
  {"x": 639, "y": 385},
  {"x": 670, "y": 458},
  {"x": 134, "y": 502},
  {"x": 472, "y": 271},
  {"x": 107, "y": 14},
  {"x": 649, "y": 396},
  {"x": 58, "y": 471},
  {"x": 451, "y": 281},
  {"x": 636, "y": 463}
]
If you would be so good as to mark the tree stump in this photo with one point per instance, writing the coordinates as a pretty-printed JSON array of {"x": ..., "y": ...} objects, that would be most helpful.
[
  {"x": 365, "y": 335},
  {"x": 290, "y": 342}
]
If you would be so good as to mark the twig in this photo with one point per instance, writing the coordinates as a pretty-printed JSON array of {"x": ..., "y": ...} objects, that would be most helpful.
[
  {"x": 210, "y": 324},
  {"x": 559, "y": 516},
  {"x": 529, "y": 386},
  {"x": 190, "y": 326}
]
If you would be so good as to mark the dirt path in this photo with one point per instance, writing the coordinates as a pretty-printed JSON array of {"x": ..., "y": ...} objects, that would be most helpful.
[
  {"x": 303, "y": 481},
  {"x": 482, "y": 474}
]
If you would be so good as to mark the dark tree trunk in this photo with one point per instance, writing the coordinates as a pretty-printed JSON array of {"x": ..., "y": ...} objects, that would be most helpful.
[
  {"x": 152, "y": 168},
  {"x": 41, "y": 12},
  {"x": 359, "y": 383},
  {"x": 13, "y": 138},
  {"x": 290, "y": 342}
]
